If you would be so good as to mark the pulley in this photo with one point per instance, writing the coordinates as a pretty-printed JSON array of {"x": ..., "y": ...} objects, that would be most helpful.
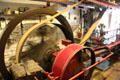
[
  {"x": 16, "y": 20},
  {"x": 71, "y": 60}
]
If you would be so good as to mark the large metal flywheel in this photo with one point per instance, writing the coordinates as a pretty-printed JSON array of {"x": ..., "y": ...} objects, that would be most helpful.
[{"x": 64, "y": 26}]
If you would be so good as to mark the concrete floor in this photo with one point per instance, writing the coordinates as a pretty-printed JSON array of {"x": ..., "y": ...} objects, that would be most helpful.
[{"x": 113, "y": 73}]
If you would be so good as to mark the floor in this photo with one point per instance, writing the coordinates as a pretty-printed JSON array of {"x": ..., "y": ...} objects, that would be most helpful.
[{"x": 113, "y": 73}]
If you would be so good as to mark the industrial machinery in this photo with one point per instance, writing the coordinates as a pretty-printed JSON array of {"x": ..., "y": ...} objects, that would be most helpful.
[{"x": 74, "y": 62}]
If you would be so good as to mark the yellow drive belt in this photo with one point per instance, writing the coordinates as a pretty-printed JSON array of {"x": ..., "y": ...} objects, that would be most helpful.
[
  {"x": 27, "y": 33},
  {"x": 89, "y": 33}
]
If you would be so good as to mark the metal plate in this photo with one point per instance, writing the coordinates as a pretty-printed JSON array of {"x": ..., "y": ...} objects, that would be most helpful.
[{"x": 104, "y": 65}]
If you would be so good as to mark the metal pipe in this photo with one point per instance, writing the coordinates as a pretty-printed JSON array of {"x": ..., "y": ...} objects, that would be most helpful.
[
  {"x": 83, "y": 71},
  {"x": 103, "y": 3}
]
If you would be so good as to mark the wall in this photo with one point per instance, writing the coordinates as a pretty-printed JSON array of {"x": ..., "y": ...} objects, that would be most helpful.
[{"x": 111, "y": 19}]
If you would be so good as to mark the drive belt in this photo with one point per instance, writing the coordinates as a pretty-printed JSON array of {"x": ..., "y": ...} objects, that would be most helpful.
[
  {"x": 92, "y": 28},
  {"x": 33, "y": 28},
  {"x": 16, "y": 20}
]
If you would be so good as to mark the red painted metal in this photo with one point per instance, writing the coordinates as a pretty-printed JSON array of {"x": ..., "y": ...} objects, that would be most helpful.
[
  {"x": 56, "y": 53},
  {"x": 79, "y": 35},
  {"x": 67, "y": 63},
  {"x": 82, "y": 5},
  {"x": 49, "y": 75},
  {"x": 57, "y": 77},
  {"x": 98, "y": 39},
  {"x": 75, "y": 18},
  {"x": 66, "y": 42},
  {"x": 86, "y": 69},
  {"x": 109, "y": 46},
  {"x": 66, "y": 60},
  {"x": 51, "y": 20},
  {"x": 102, "y": 3},
  {"x": 113, "y": 44}
]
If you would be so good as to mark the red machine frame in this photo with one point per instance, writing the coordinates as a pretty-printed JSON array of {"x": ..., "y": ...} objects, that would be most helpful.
[{"x": 68, "y": 53}]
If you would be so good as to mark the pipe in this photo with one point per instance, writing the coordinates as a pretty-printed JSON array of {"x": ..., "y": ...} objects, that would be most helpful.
[{"x": 86, "y": 69}]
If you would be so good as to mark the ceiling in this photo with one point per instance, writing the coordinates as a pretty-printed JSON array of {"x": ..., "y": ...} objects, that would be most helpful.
[{"x": 14, "y": 4}]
